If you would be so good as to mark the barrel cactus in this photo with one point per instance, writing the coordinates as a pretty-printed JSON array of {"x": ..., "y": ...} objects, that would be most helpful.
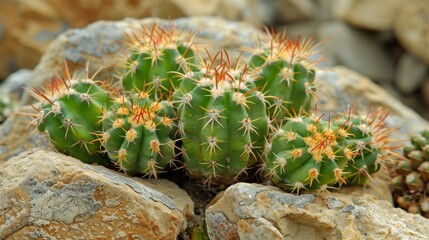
[
  {"x": 223, "y": 120},
  {"x": 314, "y": 154},
  {"x": 138, "y": 134},
  {"x": 70, "y": 115},
  {"x": 284, "y": 75},
  {"x": 155, "y": 57},
  {"x": 410, "y": 185},
  {"x": 306, "y": 153}
]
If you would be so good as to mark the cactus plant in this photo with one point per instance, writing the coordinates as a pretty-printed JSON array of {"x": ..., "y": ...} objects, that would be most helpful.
[
  {"x": 284, "y": 75},
  {"x": 306, "y": 154},
  {"x": 138, "y": 134},
  {"x": 70, "y": 115},
  {"x": 410, "y": 185},
  {"x": 223, "y": 120},
  {"x": 311, "y": 153},
  {"x": 156, "y": 55}
]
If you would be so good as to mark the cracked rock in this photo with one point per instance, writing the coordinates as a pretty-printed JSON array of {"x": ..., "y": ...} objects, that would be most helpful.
[
  {"x": 253, "y": 211},
  {"x": 48, "y": 195}
]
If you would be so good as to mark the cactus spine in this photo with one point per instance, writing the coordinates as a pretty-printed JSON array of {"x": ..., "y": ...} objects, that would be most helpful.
[{"x": 223, "y": 120}]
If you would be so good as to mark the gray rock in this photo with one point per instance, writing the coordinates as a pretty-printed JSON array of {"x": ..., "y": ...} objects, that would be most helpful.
[
  {"x": 410, "y": 73},
  {"x": 52, "y": 196},
  {"x": 252, "y": 211},
  {"x": 356, "y": 50},
  {"x": 14, "y": 83}
]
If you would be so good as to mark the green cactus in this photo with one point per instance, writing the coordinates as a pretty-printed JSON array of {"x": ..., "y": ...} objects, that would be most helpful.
[
  {"x": 223, "y": 120},
  {"x": 70, "y": 116},
  {"x": 138, "y": 134},
  {"x": 157, "y": 55},
  {"x": 310, "y": 153},
  {"x": 284, "y": 75},
  {"x": 369, "y": 137},
  {"x": 306, "y": 154}
]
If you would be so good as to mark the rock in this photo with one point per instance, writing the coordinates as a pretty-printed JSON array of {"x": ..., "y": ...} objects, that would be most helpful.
[
  {"x": 14, "y": 83},
  {"x": 340, "y": 88},
  {"x": 411, "y": 27},
  {"x": 294, "y": 10},
  {"x": 410, "y": 74},
  {"x": 368, "y": 14},
  {"x": 98, "y": 43},
  {"x": 28, "y": 26},
  {"x": 252, "y": 211},
  {"x": 356, "y": 50},
  {"x": 17, "y": 135},
  {"x": 52, "y": 196}
]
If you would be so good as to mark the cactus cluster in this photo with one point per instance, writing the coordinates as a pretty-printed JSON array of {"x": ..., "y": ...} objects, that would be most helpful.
[
  {"x": 410, "y": 185},
  {"x": 218, "y": 117}
]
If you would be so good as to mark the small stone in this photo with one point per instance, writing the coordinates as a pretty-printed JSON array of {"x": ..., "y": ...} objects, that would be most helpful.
[
  {"x": 14, "y": 83},
  {"x": 410, "y": 73},
  {"x": 374, "y": 15},
  {"x": 412, "y": 27},
  {"x": 74, "y": 201}
]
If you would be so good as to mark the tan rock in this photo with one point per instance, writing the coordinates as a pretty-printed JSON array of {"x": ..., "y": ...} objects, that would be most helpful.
[
  {"x": 49, "y": 195},
  {"x": 252, "y": 211},
  {"x": 375, "y": 15},
  {"x": 30, "y": 25},
  {"x": 411, "y": 28}
]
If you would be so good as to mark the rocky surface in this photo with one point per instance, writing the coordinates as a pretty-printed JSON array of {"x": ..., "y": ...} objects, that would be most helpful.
[
  {"x": 45, "y": 195},
  {"x": 28, "y": 26},
  {"x": 368, "y": 14},
  {"x": 252, "y": 211}
]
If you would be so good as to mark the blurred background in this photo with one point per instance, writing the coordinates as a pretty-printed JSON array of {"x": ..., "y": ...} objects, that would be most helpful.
[{"x": 384, "y": 40}]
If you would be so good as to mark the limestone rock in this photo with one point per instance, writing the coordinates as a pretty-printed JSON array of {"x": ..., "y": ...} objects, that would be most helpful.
[
  {"x": 28, "y": 26},
  {"x": 252, "y": 211},
  {"x": 356, "y": 50},
  {"x": 411, "y": 27},
  {"x": 410, "y": 73},
  {"x": 340, "y": 88},
  {"x": 51, "y": 196},
  {"x": 99, "y": 42},
  {"x": 368, "y": 14}
]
